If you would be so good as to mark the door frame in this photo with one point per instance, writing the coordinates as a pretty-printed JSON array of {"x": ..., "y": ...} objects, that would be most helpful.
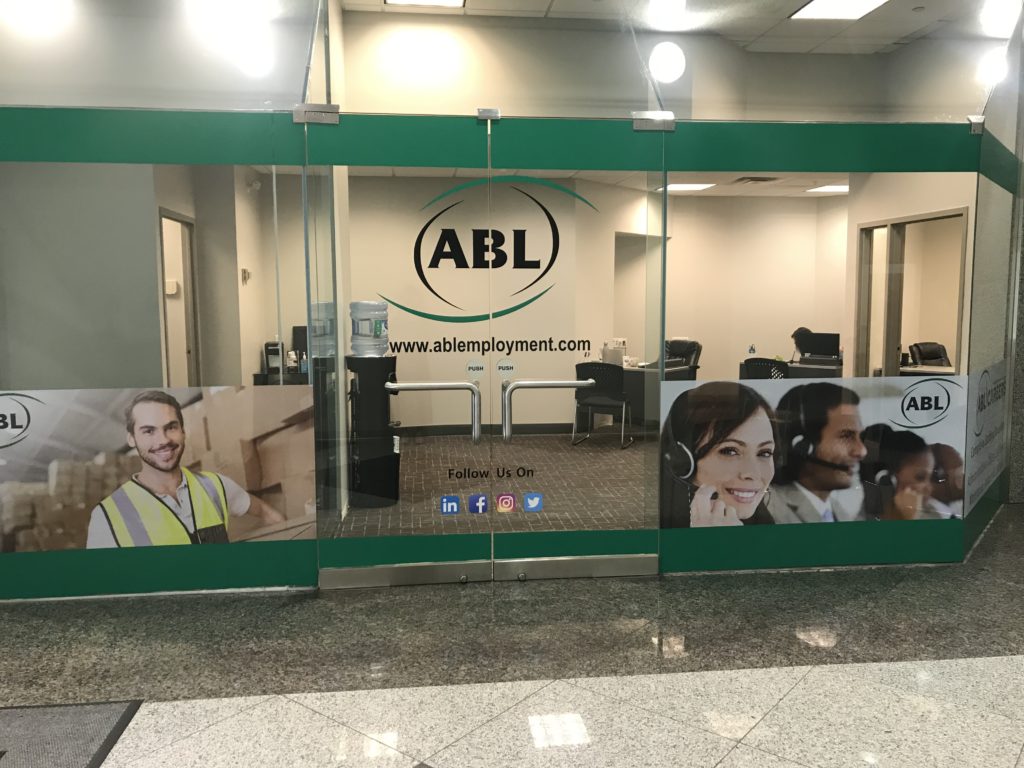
[{"x": 189, "y": 296}]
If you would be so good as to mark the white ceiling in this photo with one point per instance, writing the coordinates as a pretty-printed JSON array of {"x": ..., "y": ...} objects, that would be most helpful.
[
  {"x": 759, "y": 26},
  {"x": 726, "y": 184}
]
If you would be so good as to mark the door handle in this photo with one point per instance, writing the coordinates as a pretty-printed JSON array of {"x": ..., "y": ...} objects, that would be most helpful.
[
  {"x": 508, "y": 388},
  {"x": 436, "y": 386}
]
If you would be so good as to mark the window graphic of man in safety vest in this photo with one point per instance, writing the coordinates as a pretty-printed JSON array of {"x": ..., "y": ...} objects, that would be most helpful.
[{"x": 166, "y": 503}]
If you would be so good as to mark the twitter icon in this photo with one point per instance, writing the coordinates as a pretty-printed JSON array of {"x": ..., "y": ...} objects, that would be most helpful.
[{"x": 533, "y": 502}]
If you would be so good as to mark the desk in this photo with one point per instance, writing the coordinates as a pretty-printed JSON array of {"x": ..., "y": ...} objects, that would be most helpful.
[
  {"x": 642, "y": 387},
  {"x": 815, "y": 371},
  {"x": 262, "y": 379},
  {"x": 927, "y": 370}
]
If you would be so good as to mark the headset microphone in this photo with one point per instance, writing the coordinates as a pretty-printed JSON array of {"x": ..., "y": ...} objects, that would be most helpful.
[{"x": 812, "y": 459}]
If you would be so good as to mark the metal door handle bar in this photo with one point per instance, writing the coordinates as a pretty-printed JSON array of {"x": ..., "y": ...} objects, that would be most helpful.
[
  {"x": 509, "y": 387},
  {"x": 431, "y": 386}
]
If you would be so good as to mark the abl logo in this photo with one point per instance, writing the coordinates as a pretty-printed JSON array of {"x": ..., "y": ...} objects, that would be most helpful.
[
  {"x": 15, "y": 417},
  {"x": 926, "y": 403},
  {"x": 443, "y": 249}
]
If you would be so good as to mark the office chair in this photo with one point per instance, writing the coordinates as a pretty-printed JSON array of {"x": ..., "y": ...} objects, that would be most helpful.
[
  {"x": 765, "y": 368},
  {"x": 682, "y": 352},
  {"x": 606, "y": 396},
  {"x": 929, "y": 353}
]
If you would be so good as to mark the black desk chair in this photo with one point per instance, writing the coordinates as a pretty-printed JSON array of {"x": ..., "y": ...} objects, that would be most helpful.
[
  {"x": 765, "y": 368},
  {"x": 680, "y": 352},
  {"x": 929, "y": 353},
  {"x": 606, "y": 396}
]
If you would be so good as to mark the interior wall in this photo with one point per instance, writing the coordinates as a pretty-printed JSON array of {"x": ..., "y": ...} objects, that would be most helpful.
[
  {"x": 173, "y": 237},
  {"x": 877, "y": 197},
  {"x": 289, "y": 246},
  {"x": 79, "y": 276},
  {"x": 747, "y": 271},
  {"x": 248, "y": 190},
  {"x": 424, "y": 64},
  {"x": 931, "y": 283},
  {"x": 217, "y": 279},
  {"x": 630, "y": 287}
]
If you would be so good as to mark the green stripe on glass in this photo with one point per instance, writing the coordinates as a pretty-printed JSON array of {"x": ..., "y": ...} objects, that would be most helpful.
[
  {"x": 400, "y": 140},
  {"x": 367, "y": 551},
  {"x": 515, "y": 546},
  {"x": 136, "y": 570},
  {"x": 999, "y": 164},
  {"x": 755, "y": 547},
  {"x": 149, "y": 136}
]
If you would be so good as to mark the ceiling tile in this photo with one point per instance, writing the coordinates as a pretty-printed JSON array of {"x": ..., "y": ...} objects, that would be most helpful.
[
  {"x": 813, "y": 28},
  {"x": 592, "y": 9},
  {"x": 856, "y": 47},
  {"x": 768, "y": 44},
  {"x": 508, "y": 7}
]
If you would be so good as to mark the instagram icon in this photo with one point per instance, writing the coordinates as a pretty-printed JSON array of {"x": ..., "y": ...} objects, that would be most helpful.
[{"x": 506, "y": 502}]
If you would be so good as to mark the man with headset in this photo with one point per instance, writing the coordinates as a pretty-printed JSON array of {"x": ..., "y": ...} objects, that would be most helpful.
[{"x": 820, "y": 450}]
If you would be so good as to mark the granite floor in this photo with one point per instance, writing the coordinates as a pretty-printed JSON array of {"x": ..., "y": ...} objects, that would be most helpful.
[{"x": 963, "y": 713}]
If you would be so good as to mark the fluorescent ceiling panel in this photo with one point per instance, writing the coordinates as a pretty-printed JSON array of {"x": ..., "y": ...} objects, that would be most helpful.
[
  {"x": 689, "y": 187},
  {"x": 838, "y": 188},
  {"x": 837, "y": 9},
  {"x": 428, "y": 3}
]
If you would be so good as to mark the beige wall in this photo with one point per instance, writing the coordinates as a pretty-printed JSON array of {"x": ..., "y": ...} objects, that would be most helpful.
[
  {"x": 877, "y": 197},
  {"x": 173, "y": 235},
  {"x": 750, "y": 270},
  {"x": 931, "y": 283}
]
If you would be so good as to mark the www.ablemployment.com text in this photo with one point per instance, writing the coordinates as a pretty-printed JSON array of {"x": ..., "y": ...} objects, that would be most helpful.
[{"x": 486, "y": 346}]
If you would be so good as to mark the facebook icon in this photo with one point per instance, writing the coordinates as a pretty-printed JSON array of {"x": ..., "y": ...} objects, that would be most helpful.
[
  {"x": 449, "y": 505},
  {"x": 477, "y": 503}
]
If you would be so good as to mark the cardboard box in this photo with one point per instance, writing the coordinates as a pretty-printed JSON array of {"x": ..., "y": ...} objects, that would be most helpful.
[
  {"x": 26, "y": 541},
  {"x": 287, "y": 453},
  {"x": 253, "y": 412},
  {"x": 298, "y": 492},
  {"x": 240, "y": 462}
]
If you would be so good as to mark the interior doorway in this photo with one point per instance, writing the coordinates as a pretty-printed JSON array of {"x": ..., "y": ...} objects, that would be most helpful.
[
  {"x": 910, "y": 295},
  {"x": 178, "y": 298}
]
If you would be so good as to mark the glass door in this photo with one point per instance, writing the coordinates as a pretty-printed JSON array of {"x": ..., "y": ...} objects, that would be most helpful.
[
  {"x": 575, "y": 249},
  {"x": 414, "y": 502}
]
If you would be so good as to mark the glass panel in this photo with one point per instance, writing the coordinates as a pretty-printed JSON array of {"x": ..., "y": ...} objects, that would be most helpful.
[
  {"x": 415, "y": 314},
  {"x": 170, "y": 54},
  {"x": 731, "y": 61},
  {"x": 119, "y": 279},
  {"x": 577, "y": 303}
]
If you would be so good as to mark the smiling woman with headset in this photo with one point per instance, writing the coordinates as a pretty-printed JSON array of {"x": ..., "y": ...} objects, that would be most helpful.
[{"x": 717, "y": 453}]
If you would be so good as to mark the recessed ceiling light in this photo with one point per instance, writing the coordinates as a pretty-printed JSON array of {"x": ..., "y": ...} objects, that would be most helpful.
[
  {"x": 840, "y": 188},
  {"x": 429, "y": 3},
  {"x": 688, "y": 187},
  {"x": 837, "y": 9},
  {"x": 667, "y": 62},
  {"x": 999, "y": 17}
]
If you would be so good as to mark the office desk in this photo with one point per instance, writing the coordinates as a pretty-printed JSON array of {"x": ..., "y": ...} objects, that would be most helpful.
[
  {"x": 268, "y": 379},
  {"x": 927, "y": 370},
  {"x": 815, "y": 371},
  {"x": 642, "y": 386}
]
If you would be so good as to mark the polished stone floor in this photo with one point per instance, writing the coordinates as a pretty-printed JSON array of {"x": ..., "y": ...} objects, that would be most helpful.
[
  {"x": 963, "y": 713},
  {"x": 782, "y": 647}
]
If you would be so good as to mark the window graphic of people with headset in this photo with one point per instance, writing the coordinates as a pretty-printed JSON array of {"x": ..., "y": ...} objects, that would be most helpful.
[
  {"x": 948, "y": 481},
  {"x": 901, "y": 464},
  {"x": 820, "y": 450},
  {"x": 717, "y": 450}
]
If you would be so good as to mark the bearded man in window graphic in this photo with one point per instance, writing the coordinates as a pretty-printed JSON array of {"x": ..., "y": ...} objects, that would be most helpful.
[{"x": 166, "y": 503}]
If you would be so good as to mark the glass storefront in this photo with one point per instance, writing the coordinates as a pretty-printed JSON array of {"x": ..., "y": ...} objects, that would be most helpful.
[{"x": 436, "y": 345}]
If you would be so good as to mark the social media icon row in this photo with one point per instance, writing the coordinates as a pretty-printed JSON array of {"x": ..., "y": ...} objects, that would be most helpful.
[{"x": 503, "y": 502}]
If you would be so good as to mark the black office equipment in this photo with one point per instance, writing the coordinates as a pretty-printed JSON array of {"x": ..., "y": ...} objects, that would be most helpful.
[
  {"x": 820, "y": 345},
  {"x": 373, "y": 449},
  {"x": 763, "y": 368},
  {"x": 300, "y": 340},
  {"x": 606, "y": 396},
  {"x": 929, "y": 353}
]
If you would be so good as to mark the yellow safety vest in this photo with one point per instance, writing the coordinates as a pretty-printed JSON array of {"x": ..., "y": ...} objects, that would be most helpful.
[{"x": 139, "y": 518}]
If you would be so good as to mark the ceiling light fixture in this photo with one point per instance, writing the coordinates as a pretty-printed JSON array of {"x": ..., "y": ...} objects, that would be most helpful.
[
  {"x": 837, "y": 9},
  {"x": 668, "y": 15},
  {"x": 992, "y": 67},
  {"x": 667, "y": 62},
  {"x": 689, "y": 187},
  {"x": 833, "y": 188},
  {"x": 429, "y": 3},
  {"x": 37, "y": 19},
  {"x": 999, "y": 17}
]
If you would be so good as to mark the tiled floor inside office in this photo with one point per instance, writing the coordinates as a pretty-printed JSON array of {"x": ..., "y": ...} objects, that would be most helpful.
[
  {"x": 595, "y": 485},
  {"x": 913, "y": 667}
]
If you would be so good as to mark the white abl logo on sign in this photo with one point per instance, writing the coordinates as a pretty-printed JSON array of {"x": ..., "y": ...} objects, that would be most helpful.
[
  {"x": 926, "y": 402},
  {"x": 991, "y": 393}
]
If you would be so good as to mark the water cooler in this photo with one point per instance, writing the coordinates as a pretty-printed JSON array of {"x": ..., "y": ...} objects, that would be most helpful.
[{"x": 373, "y": 444}]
